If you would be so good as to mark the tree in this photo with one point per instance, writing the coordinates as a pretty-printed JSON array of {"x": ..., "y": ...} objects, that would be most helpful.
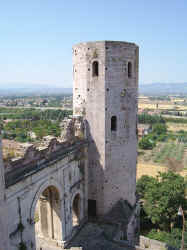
[
  {"x": 147, "y": 143},
  {"x": 150, "y": 119},
  {"x": 172, "y": 239},
  {"x": 159, "y": 128},
  {"x": 162, "y": 198},
  {"x": 142, "y": 184}
]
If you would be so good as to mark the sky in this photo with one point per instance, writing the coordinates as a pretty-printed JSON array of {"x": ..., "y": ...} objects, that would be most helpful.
[{"x": 36, "y": 37}]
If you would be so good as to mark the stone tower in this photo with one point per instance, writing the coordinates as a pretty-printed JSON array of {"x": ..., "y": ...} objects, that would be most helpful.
[
  {"x": 105, "y": 77},
  {"x": 4, "y": 237}
]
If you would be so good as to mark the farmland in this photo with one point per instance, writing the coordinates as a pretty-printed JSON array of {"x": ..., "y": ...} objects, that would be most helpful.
[
  {"x": 164, "y": 153},
  {"x": 153, "y": 170},
  {"x": 170, "y": 149},
  {"x": 176, "y": 127}
]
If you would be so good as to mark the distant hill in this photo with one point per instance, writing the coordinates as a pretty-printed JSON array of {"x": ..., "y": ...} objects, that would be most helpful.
[
  {"x": 32, "y": 89},
  {"x": 42, "y": 89},
  {"x": 163, "y": 89}
]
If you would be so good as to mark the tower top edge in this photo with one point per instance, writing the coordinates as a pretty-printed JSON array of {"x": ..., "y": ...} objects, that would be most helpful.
[{"x": 105, "y": 43}]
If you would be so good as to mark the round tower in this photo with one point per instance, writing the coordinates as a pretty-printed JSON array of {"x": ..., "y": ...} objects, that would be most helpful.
[{"x": 105, "y": 76}]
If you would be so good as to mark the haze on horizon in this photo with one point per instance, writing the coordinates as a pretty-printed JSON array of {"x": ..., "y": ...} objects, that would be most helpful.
[{"x": 37, "y": 38}]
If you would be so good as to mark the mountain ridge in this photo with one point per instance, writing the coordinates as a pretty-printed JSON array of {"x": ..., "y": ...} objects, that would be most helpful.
[
  {"x": 156, "y": 88},
  {"x": 163, "y": 88},
  {"x": 32, "y": 89}
]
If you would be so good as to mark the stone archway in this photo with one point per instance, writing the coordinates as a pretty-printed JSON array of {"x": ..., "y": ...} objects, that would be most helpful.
[{"x": 48, "y": 222}]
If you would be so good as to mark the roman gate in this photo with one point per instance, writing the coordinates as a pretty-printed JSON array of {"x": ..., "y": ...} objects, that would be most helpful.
[{"x": 46, "y": 193}]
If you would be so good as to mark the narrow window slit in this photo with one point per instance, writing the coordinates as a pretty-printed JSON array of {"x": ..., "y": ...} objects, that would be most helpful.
[{"x": 95, "y": 68}]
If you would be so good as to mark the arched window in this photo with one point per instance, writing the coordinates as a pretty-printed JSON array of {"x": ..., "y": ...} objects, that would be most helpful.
[
  {"x": 129, "y": 69},
  {"x": 95, "y": 68},
  {"x": 113, "y": 123}
]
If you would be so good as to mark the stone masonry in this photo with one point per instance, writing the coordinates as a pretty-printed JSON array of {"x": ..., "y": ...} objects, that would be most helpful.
[
  {"x": 105, "y": 86},
  {"x": 44, "y": 194}
]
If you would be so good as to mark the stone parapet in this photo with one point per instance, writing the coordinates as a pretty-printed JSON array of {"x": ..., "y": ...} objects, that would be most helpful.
[
  {"x": 149, "y": 244},
  {"x": 37, "y": 158}
]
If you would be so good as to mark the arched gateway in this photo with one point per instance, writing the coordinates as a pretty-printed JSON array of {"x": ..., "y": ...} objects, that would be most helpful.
[
  {"x": 40, "y": 201},
  {"x": 48, "y": 217}
]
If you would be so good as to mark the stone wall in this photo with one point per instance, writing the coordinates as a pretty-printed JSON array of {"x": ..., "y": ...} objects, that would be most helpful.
[{"x": 149, "y": 244}]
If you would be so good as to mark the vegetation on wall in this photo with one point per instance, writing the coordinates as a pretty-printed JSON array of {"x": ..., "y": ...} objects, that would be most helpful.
[{"x": 22, "y": 246}]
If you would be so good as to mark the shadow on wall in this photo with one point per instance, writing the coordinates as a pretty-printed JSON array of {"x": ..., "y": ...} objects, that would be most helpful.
[{"x": 95, "y": 177}]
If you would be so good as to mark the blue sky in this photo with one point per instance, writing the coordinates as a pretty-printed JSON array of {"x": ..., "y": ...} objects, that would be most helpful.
[{"x": 37, "y": 37}]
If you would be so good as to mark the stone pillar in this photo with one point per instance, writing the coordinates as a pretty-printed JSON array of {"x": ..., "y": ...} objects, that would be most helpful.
[
  {"x": 4, "y": 236},
  {"x": 57, "y": 218},
  {"x": 38, "y": 226},
  {"x": 44, "y": 217},
  {"x": 50, "y": 215}
]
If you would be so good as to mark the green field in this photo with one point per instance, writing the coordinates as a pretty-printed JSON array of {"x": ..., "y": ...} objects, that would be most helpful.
[{"x": 165, "y": 153}]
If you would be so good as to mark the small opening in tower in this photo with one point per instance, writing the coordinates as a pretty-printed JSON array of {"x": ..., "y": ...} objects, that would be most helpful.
[
  {"x": 92, "y": 208},
  {"x": 95, "y": 68},
  {"x": 113, "y": 123},
  {"x": 129, "y": 69}
]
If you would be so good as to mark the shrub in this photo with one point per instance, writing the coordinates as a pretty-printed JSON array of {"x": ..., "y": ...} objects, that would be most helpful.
[{"x": 146, "y": 143}]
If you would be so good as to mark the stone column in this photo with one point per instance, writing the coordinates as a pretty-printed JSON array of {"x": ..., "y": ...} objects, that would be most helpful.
[
  {"x": 38, "y": 227},
  {"x": 50, "y": 215},
  {"x": 44, "y": 217}
]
